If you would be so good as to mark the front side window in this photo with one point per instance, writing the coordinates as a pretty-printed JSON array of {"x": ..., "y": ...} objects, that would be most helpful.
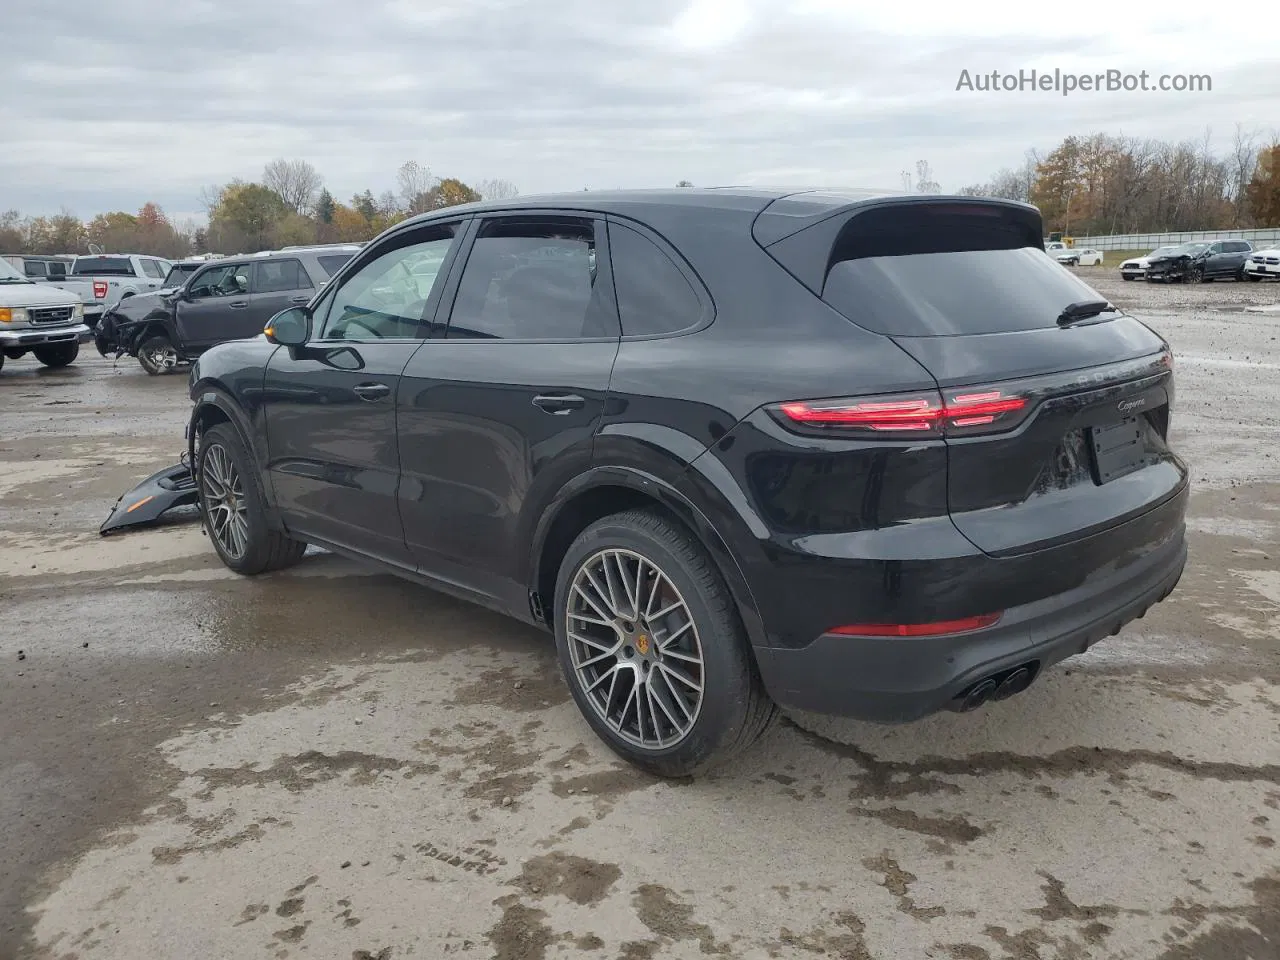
[
  {"x": 387, "y": 297},
  {"x": 530, "y": 280},
  {"x": 152, "y": 269},
  {"x": 276, "y": 276},
  {"x": 224, "y": 280}
]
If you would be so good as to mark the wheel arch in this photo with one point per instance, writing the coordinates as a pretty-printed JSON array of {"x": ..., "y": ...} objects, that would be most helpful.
[
  {"x": 605, "y": 490},
  {"x": 213, "y": 404}
]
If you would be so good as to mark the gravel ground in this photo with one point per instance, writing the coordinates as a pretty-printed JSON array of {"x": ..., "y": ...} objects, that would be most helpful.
[{"x": 330, "y": 763}]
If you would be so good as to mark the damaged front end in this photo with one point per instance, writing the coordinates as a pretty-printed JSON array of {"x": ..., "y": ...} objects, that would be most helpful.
[
  {"x": 171, "y": 487},
  {"x": 118, "y": 335}
]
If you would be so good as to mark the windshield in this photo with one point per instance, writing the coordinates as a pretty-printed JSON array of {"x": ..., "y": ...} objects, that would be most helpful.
[
  {"x": 10, "y": 275},
  {"x": 1161, "y": 251},
  {"x": 1189, "y": 248},
  {"x": 178, "y": 274}
]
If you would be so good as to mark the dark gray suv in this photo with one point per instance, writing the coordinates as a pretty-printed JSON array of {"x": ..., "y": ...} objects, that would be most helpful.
[{"x": 227, "y": 299}]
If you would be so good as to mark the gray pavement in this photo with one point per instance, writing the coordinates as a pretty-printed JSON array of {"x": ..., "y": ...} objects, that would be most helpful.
[{"x": 330, "y": 763}]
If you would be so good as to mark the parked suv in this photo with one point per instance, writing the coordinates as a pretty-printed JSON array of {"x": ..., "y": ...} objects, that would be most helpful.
[
  {"x": 38, "y": 318},
  {"x": 225, "y": 299},
  {"x": 851, "y": 453}
]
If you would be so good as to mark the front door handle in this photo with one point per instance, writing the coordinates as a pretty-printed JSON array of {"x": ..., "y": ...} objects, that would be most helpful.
[
  {"x": 372, "y": 391},
  {"x": 558, "y": 403},
  {"x": 238, "y": 304}
]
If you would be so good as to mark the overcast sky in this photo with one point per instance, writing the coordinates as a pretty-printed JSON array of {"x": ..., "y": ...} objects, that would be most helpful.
[{"x": 106, "y": 105}]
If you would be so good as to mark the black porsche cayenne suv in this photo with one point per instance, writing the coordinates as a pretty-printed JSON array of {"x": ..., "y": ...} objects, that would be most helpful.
[{"x": 860, "y": 454}]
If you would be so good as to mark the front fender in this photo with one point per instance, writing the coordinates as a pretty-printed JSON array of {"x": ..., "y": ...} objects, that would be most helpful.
[{"x": 212, "y": 395}]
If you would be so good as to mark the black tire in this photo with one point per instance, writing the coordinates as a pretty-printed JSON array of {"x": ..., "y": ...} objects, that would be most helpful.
[
  {"x": 1127, "y": 277},
  {"x": 735, "y": 710},
  {"x": 150, "y": 352},
  {"x": 265, "y": 549},
  {"x": 57, "y": 354},
  {"x": 1252, "y": 277}
]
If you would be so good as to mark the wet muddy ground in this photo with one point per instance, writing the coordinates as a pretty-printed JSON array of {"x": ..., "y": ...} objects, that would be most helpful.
[{"x": 329, "y": 763}]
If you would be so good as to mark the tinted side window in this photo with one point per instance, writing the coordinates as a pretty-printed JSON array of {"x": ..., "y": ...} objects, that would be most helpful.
[
  {"x": 530, "y": 280},
  {"x": 387, "y": 297},
  {"x": 1236, "y": 246},
  {"x": 57, "y": 270},
  {"x": 274, "y": 276},
  {"x": 34, "y": 268},
  {"x": 653, "y": 295},
  {"x": 331, "y": 263}
]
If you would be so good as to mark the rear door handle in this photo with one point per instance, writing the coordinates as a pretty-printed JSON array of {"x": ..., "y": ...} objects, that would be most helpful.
[
  {"x": 238, "y": 304},
  {"x": 371, "y": 391},
  {"x": 559, "y": 403},
  {"x": 299, "y": 299}
]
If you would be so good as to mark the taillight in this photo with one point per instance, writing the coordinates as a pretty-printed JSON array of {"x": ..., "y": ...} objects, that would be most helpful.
[
  {"x": 99, "y": 289},
  {"x": 937, "y": 628},
  {"x": 962, "y": 413}
]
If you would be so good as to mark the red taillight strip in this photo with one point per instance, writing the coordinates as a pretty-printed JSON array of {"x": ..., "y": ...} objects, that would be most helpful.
[
  {"x": 936, "y": 628},
  {"x": 914, "y": 413},
  {"x": 917, "y": 413}
]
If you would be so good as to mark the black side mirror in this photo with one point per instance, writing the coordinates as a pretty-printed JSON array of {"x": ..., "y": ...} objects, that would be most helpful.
[{"x": 289, "y": 328}]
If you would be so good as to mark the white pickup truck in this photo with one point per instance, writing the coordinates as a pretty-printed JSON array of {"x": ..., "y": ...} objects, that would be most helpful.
[
  {"x": 35, "y": 317},
  {"x": 103, "y": 280}
]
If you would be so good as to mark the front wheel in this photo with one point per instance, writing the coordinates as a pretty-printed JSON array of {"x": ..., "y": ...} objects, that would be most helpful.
[
  {"x": 233, "y": 509},
  {"x": 57, "y": 354},
  {"x": 157, "y": 356},
  {"x": 1252, "y": 277},
  {"x": 653, "y": 650}
]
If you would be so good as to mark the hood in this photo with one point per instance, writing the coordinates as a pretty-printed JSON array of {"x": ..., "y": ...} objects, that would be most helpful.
[
  {"x": 1137, "y": 262},
  {"x": 1269, "y": 252},
  {"x": 35, "y": 295},
  {"x": 140, "y": 304}
]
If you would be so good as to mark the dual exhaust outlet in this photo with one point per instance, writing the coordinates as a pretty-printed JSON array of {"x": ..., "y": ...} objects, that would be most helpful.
[{"x": 998, "y": 686}]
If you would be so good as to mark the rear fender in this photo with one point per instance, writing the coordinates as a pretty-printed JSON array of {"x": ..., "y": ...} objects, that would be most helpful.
[{"x": 666, "y": 491}]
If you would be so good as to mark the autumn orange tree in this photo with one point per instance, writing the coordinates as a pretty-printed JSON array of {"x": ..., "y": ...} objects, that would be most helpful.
[{"x": 1263, "y": 191}]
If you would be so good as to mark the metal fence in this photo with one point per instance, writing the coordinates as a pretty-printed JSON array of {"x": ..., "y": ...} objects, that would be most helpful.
[{"x": 1269, "y": 237}]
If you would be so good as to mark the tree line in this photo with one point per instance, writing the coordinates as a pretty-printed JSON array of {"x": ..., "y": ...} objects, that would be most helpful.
[
  {"x": 288, "y": 205},
  {"x": 1104, "y": 184}
]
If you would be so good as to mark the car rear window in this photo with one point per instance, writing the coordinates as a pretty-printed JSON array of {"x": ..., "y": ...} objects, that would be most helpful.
[
  {"x": 331, "y": 263},
  {"x": 116, "y": 266},
  {"x": 947, "y": 271}
]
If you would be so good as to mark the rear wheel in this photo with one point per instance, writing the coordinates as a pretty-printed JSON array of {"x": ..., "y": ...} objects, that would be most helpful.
[
  {"x": 233, "y": 509},
  {"x": 157, "y": 356},
  {"x": 652, "y": 647},
  {"x": 57, "y": 354}
]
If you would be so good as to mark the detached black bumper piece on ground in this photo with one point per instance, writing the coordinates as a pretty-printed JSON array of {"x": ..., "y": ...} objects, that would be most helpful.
[{"x": 148, "y": 501}]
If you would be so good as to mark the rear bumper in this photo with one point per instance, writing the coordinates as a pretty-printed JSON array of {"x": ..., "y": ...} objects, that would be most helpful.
[
  {"x": 36, "y": 337},
  {"x": 897, "y": 680}
]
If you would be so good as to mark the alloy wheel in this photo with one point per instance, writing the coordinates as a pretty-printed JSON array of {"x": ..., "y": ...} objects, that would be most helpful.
[
  {"x": 224, "y": 501},
  {"x": 635, "y": 649},
  {"x": 161, "y": 357}
]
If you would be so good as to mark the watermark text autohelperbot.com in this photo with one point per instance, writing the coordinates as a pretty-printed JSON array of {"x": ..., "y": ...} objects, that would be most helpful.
[{"x": 1058, "y": 81}]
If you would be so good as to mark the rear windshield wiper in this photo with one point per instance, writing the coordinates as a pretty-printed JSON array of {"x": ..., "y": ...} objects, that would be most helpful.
[{"x": 1082, "y": 310}]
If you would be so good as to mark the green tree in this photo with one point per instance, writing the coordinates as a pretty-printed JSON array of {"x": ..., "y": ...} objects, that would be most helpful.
[
  {"x": 365, "y": 205},
  {"x": 324, "y": 207},
  {"x": 246, "y": 217}
]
